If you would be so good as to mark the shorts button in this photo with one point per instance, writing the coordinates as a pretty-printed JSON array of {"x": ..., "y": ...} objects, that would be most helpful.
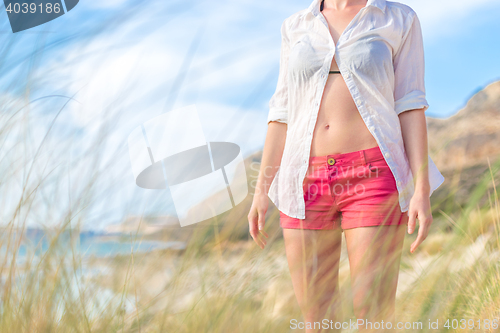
[{"x": 331, "y": 161}]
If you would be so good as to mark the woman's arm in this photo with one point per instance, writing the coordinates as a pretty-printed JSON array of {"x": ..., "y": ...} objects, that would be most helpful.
[
  {"x": 411, "y": 105},
  {"x": 414, "y": 131},
  {"x": 271, "y": 160},
  {"x": 277, "y": 124}
]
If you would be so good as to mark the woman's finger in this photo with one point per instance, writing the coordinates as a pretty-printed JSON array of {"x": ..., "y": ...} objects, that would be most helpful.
[
  {"x": 262, "y": 223},
  {"x": 257, "y": 237},
  {"x": 253, "y": 229},
  {"x": 262, "y": 220},
  {"x": 412, "y": 221},
  {"x": 423, "y": 231},
  {"x": 252, "y": 224}
]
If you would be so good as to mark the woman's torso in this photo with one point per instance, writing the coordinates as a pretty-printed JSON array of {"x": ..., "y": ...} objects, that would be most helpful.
[{"x": 339, "y": 126}]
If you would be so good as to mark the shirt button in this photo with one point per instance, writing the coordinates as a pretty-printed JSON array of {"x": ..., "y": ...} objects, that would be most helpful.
[
  {"x": 358, "y": 101},
  {"x": 387, "y": 154}
]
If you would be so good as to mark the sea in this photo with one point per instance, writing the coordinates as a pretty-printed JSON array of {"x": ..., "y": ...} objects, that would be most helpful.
[
  {"x": 33, "y": 244},
  {"x": 86, "y": 244}
]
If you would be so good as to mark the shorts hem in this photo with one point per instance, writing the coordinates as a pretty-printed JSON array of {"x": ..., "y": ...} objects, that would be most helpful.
[
  {"x": 310, "y": 228},
  {"x": 326, "y": 226},
  {"x": 375, "y": 223}
]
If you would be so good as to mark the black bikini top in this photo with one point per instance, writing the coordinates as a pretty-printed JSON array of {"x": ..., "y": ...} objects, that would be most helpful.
[{"x": 321, "y": 9}]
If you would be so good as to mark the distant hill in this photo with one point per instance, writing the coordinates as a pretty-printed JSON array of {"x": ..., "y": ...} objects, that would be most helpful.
[
  {"x": 471, "y": 135},
  {"x": 146, "y": 225},
  {"x": 462, "y": 144}
]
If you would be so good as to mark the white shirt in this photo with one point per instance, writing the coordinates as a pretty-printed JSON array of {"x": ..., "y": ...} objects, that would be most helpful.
[{"x": 381, "y": 58}]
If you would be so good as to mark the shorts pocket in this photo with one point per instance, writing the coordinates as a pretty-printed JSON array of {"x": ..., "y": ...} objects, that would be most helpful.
[{"x": 379, "y": 168}]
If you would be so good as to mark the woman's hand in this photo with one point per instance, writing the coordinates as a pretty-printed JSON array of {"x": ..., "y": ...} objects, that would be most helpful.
[
  {"x": 256, "y": 219},
  {"x": 420, "y": 208},
  {"x": 271, "y": 160}
]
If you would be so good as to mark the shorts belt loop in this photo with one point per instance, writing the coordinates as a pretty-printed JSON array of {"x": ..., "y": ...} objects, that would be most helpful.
[{"x": 365, "y": 160}]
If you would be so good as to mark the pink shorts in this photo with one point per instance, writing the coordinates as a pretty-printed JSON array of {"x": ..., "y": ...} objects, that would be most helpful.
[{"x": 348, "y": 190}]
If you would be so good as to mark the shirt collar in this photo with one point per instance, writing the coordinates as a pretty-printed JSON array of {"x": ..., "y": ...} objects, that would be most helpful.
[{"x": 314, "y": 6}]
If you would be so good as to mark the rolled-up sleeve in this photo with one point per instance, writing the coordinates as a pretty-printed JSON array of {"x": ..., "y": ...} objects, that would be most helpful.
[
  {"x": 409, "y": 69},
  {"x": 278, "y": 104}
]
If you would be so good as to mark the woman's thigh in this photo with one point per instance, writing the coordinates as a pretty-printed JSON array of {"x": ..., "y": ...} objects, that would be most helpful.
[
  {"x": 374, "y": 258},
  {"x": 313, "y": 258}
]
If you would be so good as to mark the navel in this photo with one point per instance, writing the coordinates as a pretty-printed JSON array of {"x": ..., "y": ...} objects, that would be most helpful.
[{"x": 327, "y": 126}]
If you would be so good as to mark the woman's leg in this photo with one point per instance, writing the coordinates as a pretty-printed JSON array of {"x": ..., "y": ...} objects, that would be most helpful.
[
  {"x": 374, "y": 259},
  {"x": 313, "y": 259}
]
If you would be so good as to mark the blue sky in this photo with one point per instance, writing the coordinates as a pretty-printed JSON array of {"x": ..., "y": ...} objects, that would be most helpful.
[
  {"x": 461, "y": 52},
  {"x": 128, "y": 61}
]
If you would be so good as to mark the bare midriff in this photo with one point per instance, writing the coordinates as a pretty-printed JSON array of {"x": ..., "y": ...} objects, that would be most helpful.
[{"x": 339, "y": 126}]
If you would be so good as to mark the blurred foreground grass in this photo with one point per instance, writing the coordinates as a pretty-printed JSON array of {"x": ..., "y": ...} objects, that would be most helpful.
[{"x": 223, "y": 283}]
